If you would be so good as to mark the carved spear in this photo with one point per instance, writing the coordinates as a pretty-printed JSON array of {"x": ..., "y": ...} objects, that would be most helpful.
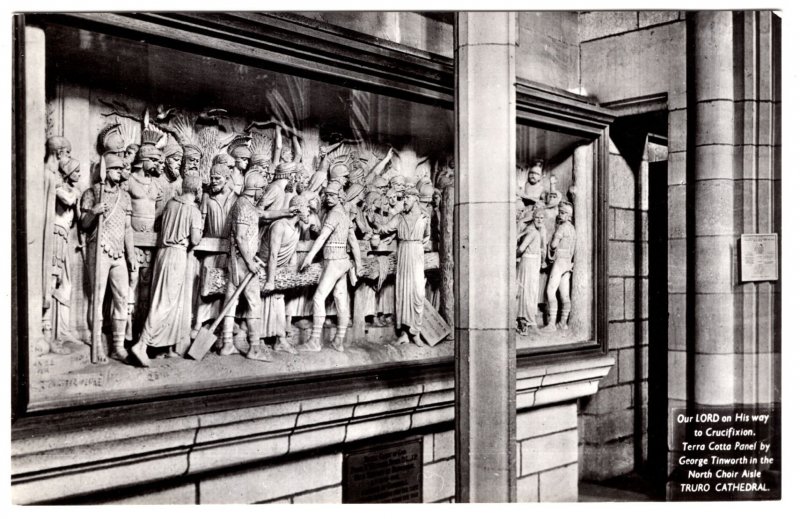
[{"x": 97, "y": 355}]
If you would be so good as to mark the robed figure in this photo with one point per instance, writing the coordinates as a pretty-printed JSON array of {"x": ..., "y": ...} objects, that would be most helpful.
[
  {"x": 181, "y": 228},
  {"x": 413, "y": 233}
]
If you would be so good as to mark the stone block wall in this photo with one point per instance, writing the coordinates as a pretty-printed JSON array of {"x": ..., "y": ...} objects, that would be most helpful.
[
  {"x": 613, "y": 424},
  {"x": 547, "y": 454},
  {"x": 547, "y": 470},
  {"x": 548, "y": 48},
  {"x": 600, "y": 24},
  {"x": 310, "y": 480},
  {"x": 627, "y": 56},
  {"x": 292, "y": 452}
]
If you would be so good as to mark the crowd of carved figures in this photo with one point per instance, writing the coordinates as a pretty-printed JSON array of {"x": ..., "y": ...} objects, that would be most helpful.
[
  {"x": 183, "y": 233},
  {"x": 546, "y": 242}
]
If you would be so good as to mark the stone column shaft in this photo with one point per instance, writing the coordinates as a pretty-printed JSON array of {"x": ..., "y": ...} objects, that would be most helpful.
[
  {"x": 711, "y": 107},
  {"x": 485, "y": 268}
]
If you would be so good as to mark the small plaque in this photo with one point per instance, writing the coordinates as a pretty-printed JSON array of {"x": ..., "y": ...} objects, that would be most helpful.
[
  {"x": 759, "y": 257},
  {"x": 385, "y": 473},
  {"x": 434, "y": 328}
]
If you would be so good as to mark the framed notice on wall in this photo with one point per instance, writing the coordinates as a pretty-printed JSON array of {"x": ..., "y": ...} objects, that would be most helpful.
[{"x": 758, "y": 260}]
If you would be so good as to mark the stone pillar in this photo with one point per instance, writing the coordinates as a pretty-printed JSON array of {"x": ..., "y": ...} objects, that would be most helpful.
[
  {"x": 485, "y": 267},
  {"x": 711, "y": 117},
  {"x": 734, "y": 107},
  {"x": 757, "y": 192},
  {"x": 34, "y": 151}
]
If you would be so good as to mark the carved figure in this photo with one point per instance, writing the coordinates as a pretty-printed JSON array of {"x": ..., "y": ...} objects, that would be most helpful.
[
  {"x": 426, "y": 192},
  {"x": 215, "y": 208},
  {"x": 239, "y": 149},
  {"x": 263, "y": 164},
  {"x": 562, "y": 254},
  {"x": 412, "y": 227},
  {"x": 336, "y": 233},
  {"x": 148, "y": 197},
  {"x": 398, "y": 184},
  {"x": 192, "y": 156},
  {"x": 299, "y": 301},
  {"x": 533, "y": 190},
  {"x": 126, "y": 175},
  {"x": 58, "y": 152},
  {"x": 379, "y": 168},
  {"x": 106, "y": 216},
  {"x": 392, "y": 206},
  {"x": 531, "y": 252},
  {"x": 339, "y": 173},
  {"x": 284, "y": 235},
  {"x": 182, "y": 228},
  {"x": 354, "y": 200},
  {"x": 445, "y": 181},
  {"x": 552, "y": 201},
  {"x": 146, "y": 189},
  {"x": 285, "y": 154},
  {"x": 173, "y": 157},
  {"x": 533, "y": 193},
  {"x": 226, "y": 160},
  {"x": 60, "y": 287},
  {"x": 244, "y": 242},
  {"x": 130, "y": 153},
  {"x": 365, "y": 302},
  {"x": 112, "y": 141},
  {"x": 276, "y": 191}
]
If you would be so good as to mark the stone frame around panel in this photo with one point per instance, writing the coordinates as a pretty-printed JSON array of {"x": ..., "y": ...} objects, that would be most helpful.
[
  {"x": 429, "y": 78},
  {"x": 558, "y": 111}
]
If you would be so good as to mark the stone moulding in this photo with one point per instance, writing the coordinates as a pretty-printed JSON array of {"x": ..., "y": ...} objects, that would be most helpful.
[
  {"x": 47, "y": 467},
  {"x": 553, "y": 108},
  {"x": 296, "y": 43}
]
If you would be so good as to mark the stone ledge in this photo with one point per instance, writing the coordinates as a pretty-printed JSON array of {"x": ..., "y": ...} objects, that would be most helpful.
[{"x": 55, "y": 466}]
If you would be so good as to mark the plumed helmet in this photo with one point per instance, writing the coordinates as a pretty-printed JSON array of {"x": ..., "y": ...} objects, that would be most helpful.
[
  {"x": 111, "y": 139},
  {"x": 147, "y": 152},
  {"x": 240, "y": 147},
  {"x": 284, "y": 170},
  {"x": 114, "y": 161},
  {"x": 338, "y": 171},
  {"x": 260, "y": 159},
  {"x": 254, "y": 180},
  {"x": 334, "y": 187}
]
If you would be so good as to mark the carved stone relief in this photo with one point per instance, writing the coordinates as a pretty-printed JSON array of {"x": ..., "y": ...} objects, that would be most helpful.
[{"x": 201, "y": 242}]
